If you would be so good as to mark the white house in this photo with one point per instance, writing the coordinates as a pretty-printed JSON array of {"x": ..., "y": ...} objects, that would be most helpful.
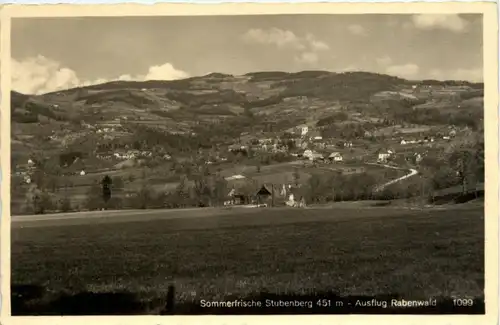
[
  {"x": 308, "y": 153},
  {"x": 383, "y": 156},
  {"x": 335, "y": 156},
  {"x": 30, "y": 162},
  {"x": 403, "y": 141},
  {"x": 82, "y": 173},
  {"x": 303, "y": 130},
  {"x": 418, "y": 158}
]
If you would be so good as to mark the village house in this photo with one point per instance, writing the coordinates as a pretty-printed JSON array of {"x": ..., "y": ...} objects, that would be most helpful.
[
  {"x": 307, "y": 154},
  {"x": 235, "y": 197},
  {"x": 335, "y": 157},
  {"x": 384, "y": 155},
  {"x": 270, "y": 195},
  {"x": 304, "y": 129},
  {"x": 418, "y": 158},
  {"x": 316, "y": 156},
  {"x": 295, "y": 198}
]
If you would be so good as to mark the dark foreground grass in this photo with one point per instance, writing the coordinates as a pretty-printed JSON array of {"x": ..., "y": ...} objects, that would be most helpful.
[{"x": 132, "y": 265}]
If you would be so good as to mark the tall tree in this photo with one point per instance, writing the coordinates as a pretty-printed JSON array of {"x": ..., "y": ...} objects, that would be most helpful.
[
  {"x": 106, "y": 189},
  {"x": 296, "y": 176}
]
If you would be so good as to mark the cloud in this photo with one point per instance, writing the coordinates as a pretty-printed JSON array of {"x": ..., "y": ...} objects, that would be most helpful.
[
  {"x": 472, "y": 75},
  {"x": 357, "y": 30},
  {"x": 408, "y": 70},
  {"x": 165, "y": 72},
  {"x": 351, "y": 68},
  {"x": 274, "y": 36},
  {"x": 38, "y": 75},
  {"x": 316, "y": 45},
  {"x": 452, "y": 22},
  {"x": 308, "y": 46},
  {"x": 307, "y": 57},
  {"x": 384, "y": 61}
]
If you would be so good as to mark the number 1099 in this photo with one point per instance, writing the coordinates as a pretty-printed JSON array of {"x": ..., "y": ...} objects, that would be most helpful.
[{"x": 463, "y": 302}]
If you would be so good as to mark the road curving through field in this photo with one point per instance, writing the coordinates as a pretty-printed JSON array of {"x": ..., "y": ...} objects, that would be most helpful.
[{"x": 412, "y": 172}]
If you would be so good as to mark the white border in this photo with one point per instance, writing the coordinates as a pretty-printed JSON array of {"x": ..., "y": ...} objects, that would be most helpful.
[{"x": 490, "y": 50}]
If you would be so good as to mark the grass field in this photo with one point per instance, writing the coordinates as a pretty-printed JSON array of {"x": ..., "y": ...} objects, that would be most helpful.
[{"x": 213, "y": 254}]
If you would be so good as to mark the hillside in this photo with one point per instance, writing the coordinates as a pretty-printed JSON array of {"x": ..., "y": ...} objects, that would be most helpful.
[{"x": 198, "y": 118}]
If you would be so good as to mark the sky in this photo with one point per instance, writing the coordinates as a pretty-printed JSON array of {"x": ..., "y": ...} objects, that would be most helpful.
[{"x": 50, "y": 54}]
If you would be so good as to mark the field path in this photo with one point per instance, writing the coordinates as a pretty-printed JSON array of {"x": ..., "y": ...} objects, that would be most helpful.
[{"x": 412, "y": 172}]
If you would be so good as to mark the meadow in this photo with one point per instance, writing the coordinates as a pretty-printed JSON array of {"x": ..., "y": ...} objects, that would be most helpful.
[{"x": 217, "y": 254}]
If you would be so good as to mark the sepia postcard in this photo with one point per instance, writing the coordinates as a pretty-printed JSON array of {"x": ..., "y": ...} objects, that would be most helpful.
[{"x": 174, "y": 163}]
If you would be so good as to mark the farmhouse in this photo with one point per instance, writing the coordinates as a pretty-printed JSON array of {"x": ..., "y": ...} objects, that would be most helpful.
[
  {"x": 307, "y": 153},
  {"x": 235, "y": 197},
  {"x": 263, "y": 194},
  {"x": 335, "y": 156},
  {"x": 302, "y": 129},
  {"x": 269, "y": 194},
  {"x": 295, "y": 198},
  {"x": 418, "y": 158},
  {"x": 383, "y": 156}
]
